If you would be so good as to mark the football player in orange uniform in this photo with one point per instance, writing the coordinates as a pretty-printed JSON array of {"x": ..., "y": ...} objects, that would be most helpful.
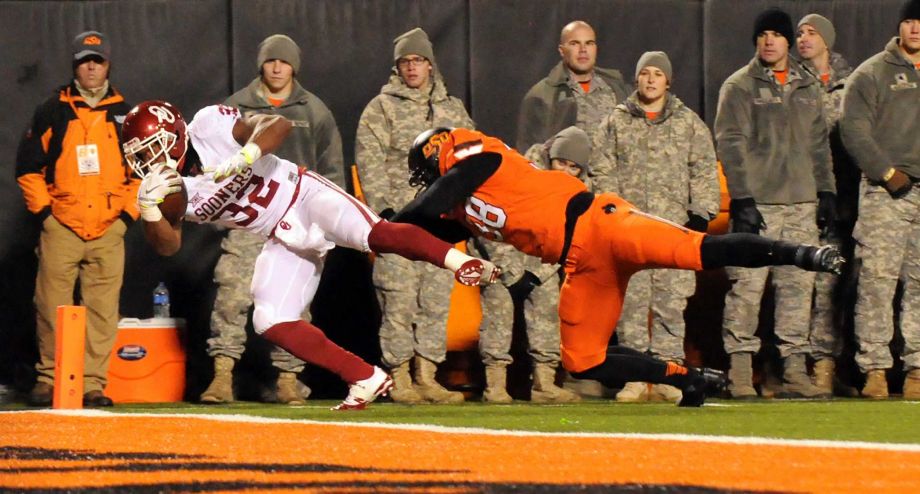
[{"x": 476, "y": 184}]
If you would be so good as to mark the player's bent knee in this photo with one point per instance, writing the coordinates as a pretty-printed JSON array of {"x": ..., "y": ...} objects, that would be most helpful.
[{"x": 263, "y": 319}]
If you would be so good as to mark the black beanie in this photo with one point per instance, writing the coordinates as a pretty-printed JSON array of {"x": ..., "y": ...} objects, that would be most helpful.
[
  {"x": 776, "y": 20},
  {"x": 910, "y": 10}
]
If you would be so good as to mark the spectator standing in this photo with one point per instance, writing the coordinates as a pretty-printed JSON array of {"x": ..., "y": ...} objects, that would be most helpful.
[
  {"x": 413, "y": 295},
  {"x": 816, "y": 37},
  {"x": 657, "y": 154},
  {"x": 314, "y": 144},
  {"x": 772, "y": 140},
  {"x": 880, "y": 128},
  {"x": 75, "y": 180},
  {"x": 576, "y": 91}
]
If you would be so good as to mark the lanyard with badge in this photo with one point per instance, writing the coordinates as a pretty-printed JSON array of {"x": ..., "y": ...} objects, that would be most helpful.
[{"x": 87, "y": 153}]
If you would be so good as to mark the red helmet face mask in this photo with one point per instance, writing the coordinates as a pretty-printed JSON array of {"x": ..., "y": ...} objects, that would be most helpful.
[{"x": 154, "y": 132}]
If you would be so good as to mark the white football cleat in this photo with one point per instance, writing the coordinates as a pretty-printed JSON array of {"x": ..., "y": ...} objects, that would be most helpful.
[{"x": 366, "y": 390}]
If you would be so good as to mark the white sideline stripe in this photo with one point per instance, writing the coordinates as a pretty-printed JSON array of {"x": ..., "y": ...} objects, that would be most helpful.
[{"x": 689, "y": 438}]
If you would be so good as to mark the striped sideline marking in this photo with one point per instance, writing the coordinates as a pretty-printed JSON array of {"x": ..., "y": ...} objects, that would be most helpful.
[{"x": 688, "y": 438}]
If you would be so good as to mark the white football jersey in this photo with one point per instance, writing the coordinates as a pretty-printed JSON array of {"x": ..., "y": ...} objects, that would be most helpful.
[{"x": 254, "y": 200}]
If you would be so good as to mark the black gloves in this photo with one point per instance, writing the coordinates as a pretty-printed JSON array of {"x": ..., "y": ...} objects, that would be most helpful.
[
  {"x": 697, "y": 222},
  {"x": 521, "y": 288},
  {"x": 745, "y": 216},
  {"x": 827, "y": 211},
  {"x": 898, "y": 185}
]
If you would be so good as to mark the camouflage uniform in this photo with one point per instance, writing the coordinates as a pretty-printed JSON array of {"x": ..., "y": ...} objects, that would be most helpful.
[
  {"x": 825, "y": 336},
  {"x": 880, "y": 127},
  {"x": 540, "y": 308},
  {"x": 666, "y": 167},
  {"x": 314, "y": 143},
  {"x": 772, "y": 140},
  {"x": 413, "y": 295}
]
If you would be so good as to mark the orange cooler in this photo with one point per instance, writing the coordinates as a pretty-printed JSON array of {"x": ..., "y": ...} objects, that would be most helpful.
[{"x": 147, "y": 364}]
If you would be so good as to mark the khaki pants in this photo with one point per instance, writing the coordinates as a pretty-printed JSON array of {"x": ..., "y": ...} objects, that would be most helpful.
[{"x": 63, "y": 258}]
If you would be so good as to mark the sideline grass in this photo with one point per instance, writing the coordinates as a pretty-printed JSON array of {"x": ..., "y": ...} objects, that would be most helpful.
[{"x": 840, "y": 420}]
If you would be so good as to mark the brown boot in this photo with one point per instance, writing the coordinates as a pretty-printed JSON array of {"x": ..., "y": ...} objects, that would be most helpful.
[
  {"x": 427, "y": 386},
  {"x": 633, "y": 392},
  {"x": 496, "y": 385},
  {"x": 41, "y": 395},
  {"x": 287, "y": 389},
  {"x": 797, "y": 383},
  {"x": 544, "y": 386},
  {"x": 876, "y": 385},
  {"x": 664, "y": 392},
  {"x": 402, "y": 390},
  {"x": 912, "y": 385},
  {"x": 824, "y": 375},
  {"x": 221, "y": 388},
  {"x": 742, "y": 377}
]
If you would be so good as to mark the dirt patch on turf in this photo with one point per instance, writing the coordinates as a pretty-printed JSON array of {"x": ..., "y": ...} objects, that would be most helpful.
[{"x": 40, "y": 451}]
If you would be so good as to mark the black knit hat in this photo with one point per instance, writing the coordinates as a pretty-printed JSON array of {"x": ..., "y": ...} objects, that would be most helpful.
[
  {"x": 910, "y": 10},
  {"x": 776, "y": 20}
]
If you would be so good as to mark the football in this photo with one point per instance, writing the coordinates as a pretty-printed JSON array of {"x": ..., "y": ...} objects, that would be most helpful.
[{"x": 173, "y": 205}]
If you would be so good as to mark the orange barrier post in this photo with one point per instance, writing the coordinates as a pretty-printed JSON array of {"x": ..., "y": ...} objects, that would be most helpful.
[{"x": 70, "y": 335}]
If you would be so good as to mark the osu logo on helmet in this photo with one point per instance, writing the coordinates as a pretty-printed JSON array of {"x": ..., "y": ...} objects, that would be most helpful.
[{"x": 433, "y": 146}]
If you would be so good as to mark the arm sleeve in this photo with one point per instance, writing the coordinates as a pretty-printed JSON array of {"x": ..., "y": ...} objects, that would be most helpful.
[
  {"x": 705, "y": 197},
  {"x": 733, "y": 128},
  {"x": 531, "y": 122},
  {"x": 603, "y": 162},
  {"x": 371, "y": 143},
  {"x": 821, "y": 150},
  {"x": 31, "y": 162},
  {"x": 857, "y": 122},
  {"x": 328, "y": 142}
]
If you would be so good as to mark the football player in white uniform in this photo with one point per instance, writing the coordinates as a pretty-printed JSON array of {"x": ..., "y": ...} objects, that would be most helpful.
[{"x": 222, "y": 162}]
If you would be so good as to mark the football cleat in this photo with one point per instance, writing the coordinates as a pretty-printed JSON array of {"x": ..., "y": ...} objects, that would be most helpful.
[
  {"x": 366, "y": 390},
  {"x": 705, "y": 381},
  {"x": 825, "y": 259},
  {"x": 476, "y": 272}
]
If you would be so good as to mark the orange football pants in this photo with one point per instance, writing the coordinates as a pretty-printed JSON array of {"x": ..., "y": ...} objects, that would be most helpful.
[{"x": 613, "y": 240}]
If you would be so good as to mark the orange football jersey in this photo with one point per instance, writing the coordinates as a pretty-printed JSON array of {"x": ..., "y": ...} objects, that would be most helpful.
[{"x": 519, "y": 204}]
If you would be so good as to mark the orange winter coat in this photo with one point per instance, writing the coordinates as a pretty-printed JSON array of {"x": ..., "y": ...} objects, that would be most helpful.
[{"x": 47, "y": 165}]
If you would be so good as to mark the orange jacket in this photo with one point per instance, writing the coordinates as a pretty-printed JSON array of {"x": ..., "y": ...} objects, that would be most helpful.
[{"x": 47, "y": 169}]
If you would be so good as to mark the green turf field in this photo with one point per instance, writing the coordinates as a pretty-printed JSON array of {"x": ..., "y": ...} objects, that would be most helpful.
[{"x": 844, "y": 420}]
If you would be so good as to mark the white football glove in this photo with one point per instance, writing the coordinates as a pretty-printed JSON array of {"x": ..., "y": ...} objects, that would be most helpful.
[
  {"x": 471, "y": 271},
  {"x": 235, "y": 164},
  {"x": 158, "y": 184}
]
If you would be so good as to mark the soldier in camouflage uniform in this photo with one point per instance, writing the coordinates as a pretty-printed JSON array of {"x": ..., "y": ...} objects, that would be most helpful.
[
  {"x": 772, "y": 140},
  {"x": 536, "y": 285},
  {"x": 413, "y": 295},
  {"x": 575, "y": 92},
  {"x": 314, "y": 143},
  {"x": 880, "y": 129},
  {"x": 816, "y": 36},
  {"x": 657, "y": 154}
]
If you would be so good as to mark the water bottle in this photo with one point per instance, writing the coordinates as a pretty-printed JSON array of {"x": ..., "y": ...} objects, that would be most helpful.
[{"x": 161, "y": 301}]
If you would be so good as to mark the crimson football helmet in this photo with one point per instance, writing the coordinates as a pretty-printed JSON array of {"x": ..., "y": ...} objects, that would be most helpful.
[
  {"x": 424, "y": 154},
  {"x": 154, "y": 132}
]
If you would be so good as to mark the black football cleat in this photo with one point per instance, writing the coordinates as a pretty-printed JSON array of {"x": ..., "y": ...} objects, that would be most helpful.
[
  {"x": 825, "y": 259},
  {"x": 705, "y": 381}
]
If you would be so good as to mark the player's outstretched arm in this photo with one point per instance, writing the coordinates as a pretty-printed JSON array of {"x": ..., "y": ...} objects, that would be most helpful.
[
  {"x": 164, "y": 236},
  {"x": 258, "y": 134},
  {"x": 450, "y": 190}
]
